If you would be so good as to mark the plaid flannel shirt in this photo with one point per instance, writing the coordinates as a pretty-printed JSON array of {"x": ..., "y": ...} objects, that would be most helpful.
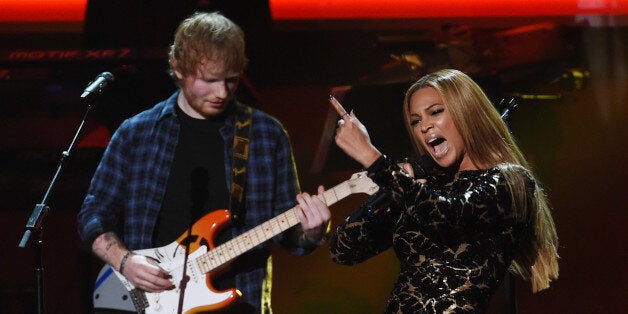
[{"x": 127, "y": 189}]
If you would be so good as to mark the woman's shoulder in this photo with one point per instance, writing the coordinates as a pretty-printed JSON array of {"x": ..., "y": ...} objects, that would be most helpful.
[
  {"x": 513, "y": 169},
  {"x": 517, "y": 173},
  {"x": 507, "y": 166},
  {"x": 503, "y": 170}
]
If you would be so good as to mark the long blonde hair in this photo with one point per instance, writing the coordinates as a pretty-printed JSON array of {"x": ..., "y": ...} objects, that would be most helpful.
[{"x": 489, "y": 143}]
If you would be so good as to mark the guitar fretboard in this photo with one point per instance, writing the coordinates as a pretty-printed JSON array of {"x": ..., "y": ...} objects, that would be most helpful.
[{"x": 248, "y": 240}]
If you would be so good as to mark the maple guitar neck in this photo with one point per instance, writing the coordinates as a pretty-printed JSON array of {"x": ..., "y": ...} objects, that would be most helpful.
[
  {"x": 235, "y": 247},
  {"x": 191, "y": 261}
]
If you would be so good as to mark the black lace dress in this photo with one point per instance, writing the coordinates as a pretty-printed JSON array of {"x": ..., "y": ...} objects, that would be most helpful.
[{"x": 455, "y": 236}]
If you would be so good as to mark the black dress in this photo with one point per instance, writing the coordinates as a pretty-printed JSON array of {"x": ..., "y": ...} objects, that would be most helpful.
[{"x": 455, "y": 236}]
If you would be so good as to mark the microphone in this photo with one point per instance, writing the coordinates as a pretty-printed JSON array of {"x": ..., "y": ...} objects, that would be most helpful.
[
  {"x": 379, "y": 204},
  {"x": 422, "y": 166},
  {"x": 97, "y": 85}
]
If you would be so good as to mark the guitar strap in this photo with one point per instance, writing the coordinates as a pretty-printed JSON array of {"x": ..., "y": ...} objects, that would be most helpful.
[{"x": 241, "y": 142}]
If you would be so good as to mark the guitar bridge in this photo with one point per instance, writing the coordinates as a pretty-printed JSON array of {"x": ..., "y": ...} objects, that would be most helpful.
[{"x": 139, "y": 300}]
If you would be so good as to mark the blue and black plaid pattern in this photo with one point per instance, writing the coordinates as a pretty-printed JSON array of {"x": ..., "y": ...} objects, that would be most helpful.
[{"x": 127, "y": 189}]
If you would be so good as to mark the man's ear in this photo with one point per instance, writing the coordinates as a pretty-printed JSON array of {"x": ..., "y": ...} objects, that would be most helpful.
[{"x": 175, "y": 69}]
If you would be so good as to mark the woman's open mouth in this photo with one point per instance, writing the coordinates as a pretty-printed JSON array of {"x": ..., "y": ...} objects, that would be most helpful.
[{"x": 439, "y": 146}]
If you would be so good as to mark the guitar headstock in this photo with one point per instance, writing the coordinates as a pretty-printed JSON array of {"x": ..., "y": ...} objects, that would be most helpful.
[{"x": 361, "y": 183}]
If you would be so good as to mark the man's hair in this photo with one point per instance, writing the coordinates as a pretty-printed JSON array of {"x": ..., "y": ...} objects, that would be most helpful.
[{"x": 206, "y": 37}]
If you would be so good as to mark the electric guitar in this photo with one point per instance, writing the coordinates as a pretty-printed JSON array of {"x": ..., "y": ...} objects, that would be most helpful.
[{"x": 191, "y": 263}]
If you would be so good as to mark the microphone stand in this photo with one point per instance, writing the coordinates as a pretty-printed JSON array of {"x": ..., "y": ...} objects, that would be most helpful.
[{"x": 35, "y": 222}]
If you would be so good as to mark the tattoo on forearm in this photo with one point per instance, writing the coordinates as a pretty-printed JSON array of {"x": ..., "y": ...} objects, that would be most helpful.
[
  {"x": 110, "y": 240},
  {"x": 110, "y": 244},
  {"x": 104, "y": 244}
]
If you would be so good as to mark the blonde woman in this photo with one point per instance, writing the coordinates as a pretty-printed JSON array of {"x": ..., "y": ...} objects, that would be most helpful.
[{"x": 478, "y": 214}]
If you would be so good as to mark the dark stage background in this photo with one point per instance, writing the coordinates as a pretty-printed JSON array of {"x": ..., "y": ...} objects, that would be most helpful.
[{"x": 567, "y": 74}]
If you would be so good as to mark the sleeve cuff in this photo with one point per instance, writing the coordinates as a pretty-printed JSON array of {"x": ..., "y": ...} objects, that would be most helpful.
[{"x": 377, "y": 164}]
